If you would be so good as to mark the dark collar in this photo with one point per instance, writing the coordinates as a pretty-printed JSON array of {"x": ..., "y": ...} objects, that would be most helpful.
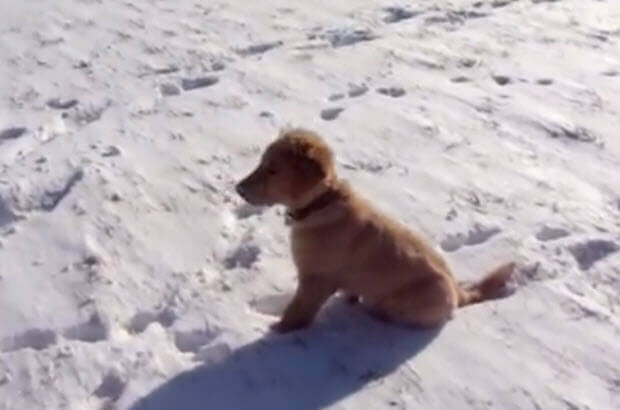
[{"x": 317, "y": 204}]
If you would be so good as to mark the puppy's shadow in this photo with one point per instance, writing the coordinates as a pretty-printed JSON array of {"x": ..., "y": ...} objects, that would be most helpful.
[{"x": 309, "y": 369}]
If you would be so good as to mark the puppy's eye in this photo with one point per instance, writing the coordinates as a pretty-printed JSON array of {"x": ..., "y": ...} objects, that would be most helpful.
[{"x": 271, "y": 169}]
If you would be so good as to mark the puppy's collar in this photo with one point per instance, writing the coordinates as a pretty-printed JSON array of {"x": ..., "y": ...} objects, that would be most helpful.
[{"x": 320, "y": 202}]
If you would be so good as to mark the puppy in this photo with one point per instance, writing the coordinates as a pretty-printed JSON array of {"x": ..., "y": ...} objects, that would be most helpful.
[{"x": 340, "y": 242}]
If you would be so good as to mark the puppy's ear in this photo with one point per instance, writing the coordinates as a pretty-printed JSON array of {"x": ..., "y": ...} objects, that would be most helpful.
[
  {"x": 311, "y": 168},
  {"x": 317, "y": 160}
]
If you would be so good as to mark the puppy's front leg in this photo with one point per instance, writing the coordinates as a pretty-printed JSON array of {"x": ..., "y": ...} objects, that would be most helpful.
[{"x": 311, "y": 293}]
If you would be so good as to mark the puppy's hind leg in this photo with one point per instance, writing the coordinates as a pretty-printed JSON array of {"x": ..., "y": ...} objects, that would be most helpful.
[
  {"x": 311, "y": 293},
  {"x": 425, "y": 304}
]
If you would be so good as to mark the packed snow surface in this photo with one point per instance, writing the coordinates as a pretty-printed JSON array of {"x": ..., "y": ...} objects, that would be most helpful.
[{"x": 133, "y": 277}]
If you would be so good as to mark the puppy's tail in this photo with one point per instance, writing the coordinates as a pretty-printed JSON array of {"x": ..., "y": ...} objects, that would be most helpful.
[{"x": 489, "y": 287}]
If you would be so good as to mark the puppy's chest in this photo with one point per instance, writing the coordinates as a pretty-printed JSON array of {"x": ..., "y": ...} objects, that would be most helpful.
[{"x": 317, "y": 252}]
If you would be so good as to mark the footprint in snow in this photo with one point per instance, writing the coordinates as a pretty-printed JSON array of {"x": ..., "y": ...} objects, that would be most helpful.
[
  {"x": 191, "y": 341},
  {"x": 91, "y": 331},
  {"x": 37, "y": 339},
  {"x": 55, "y": 193},
  {"x": 460, "y": 79},
  {"x": 397, "y": 14},
  {"x": 502, "y": 80},
  {"x": 88, "y": 113},
  {"x": 111, "y": 151},
  {"x": 476, "y": 236},
  {"x": 111, "y": 387},
  {"x": 169, "y": 89},
  {"x": 61, "y": 104},
  {"x": 245, "y": 211},
  {"x": 501, "y": 3},
  {"x": 394, "y": 92},
  {"x": 259, "y": 48},
  {"x": 141, "y": 320},
  {"x": 354, "y": 91},
  {"x": 12, "y": 133},
  {"x": 330, "y": 114},
  {"x": 357, "y": 90},
  {"x": 7, "y": 215},
  {"x": 548, "y": 233},
  {"x": 590, "y": 252},
  {"x": 189, "y": 84},
  {"x": 244, "y": 256},
  {"x": 348, "y": 36},
  {"x": 544, "y": 81},
  {"x": 566, "y": 130}
]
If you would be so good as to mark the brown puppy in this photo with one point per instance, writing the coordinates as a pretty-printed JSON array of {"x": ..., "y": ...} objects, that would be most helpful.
[{"x": 340, "y": 242}]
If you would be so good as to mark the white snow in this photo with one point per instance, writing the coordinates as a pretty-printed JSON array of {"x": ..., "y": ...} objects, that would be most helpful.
[{"x": 133, "y": 277}]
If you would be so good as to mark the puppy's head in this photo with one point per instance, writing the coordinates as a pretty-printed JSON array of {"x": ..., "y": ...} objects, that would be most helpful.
[{"x": 291, "y": 168}]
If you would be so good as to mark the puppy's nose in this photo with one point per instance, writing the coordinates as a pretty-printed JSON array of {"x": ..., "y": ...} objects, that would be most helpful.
[{"x": 240, "y": 190}]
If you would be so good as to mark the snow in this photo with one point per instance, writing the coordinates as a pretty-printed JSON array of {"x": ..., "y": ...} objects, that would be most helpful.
[{"x": 133, "y": 277}]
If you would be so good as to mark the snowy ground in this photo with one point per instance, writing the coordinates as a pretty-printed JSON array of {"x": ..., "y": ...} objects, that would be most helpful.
[{"x": 129, "y": 268}]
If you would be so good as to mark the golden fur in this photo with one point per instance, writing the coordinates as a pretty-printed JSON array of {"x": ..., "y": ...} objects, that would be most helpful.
[{"x": 347, "y": 245}]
